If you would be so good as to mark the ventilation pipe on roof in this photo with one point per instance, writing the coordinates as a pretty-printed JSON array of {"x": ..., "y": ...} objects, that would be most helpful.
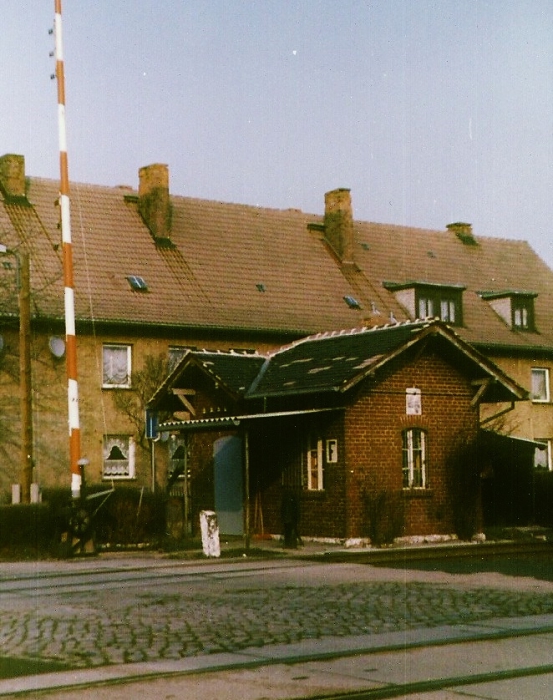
[
  {"x": 339, "y": 223},
  {"x": 12, "y": 175},
  {"x": 154, "y": 203}
]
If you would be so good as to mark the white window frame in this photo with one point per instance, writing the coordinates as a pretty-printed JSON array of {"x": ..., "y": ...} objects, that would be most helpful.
[
  {"x": 546, "y": 442},
  {"x": 109, "y": 372},
  {"x": 332, "y": 451},
  {"x": 426, "y": 307},
  {"x": 546, "y": 397},
  {"x": 314, "y": 463},
  {"x": 414, "y": 471},
  {"x": 447, "y": 310},
  {"x": 123, "y": 469}
]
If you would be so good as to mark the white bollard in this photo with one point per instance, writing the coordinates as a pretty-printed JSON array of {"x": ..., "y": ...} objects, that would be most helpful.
[
  {"x": 35, "y": 493},
  {"x": 210, "y": 533},
  {"x": 16, "y": 494}
]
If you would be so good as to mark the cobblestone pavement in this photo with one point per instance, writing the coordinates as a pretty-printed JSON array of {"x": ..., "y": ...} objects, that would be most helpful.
[{"x": 159, "y": 621}]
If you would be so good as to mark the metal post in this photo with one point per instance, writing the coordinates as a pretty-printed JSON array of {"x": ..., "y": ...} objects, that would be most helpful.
[
  {"x": 70, "y": 338},
  {"x": 24, "y": 283},
  {"x": 186, "y": 499},
  {"x": 247, "y": 488},
  {"x": 153, "y": 464}
]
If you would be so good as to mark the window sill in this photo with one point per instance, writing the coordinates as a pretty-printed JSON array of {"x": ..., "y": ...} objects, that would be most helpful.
[
  {"x": 418, "y": 493},
  {"x": 118, "y": 478},
  {"x": 110, "y": 387}
]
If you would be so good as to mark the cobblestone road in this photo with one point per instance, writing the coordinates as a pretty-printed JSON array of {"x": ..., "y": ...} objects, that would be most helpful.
[{"x": 112, "y": 623}]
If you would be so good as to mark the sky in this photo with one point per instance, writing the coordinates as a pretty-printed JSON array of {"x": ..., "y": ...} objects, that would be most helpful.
[{"x": 430, "y": 111}]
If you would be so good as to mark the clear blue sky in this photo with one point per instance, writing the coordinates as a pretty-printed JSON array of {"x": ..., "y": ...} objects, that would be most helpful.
[{"x": 431, "y": 111}]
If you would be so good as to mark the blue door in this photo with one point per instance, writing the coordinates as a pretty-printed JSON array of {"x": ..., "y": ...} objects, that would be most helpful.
[{"x": 227, "y": 459}]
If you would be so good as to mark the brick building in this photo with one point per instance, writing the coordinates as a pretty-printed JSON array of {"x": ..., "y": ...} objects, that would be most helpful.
[
  {"x": 157, "y": 274},
  {"x": 351, "y": 423}
]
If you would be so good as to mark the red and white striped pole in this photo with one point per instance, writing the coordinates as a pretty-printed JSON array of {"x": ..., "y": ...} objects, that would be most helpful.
[{"x": 70, "y": 339}]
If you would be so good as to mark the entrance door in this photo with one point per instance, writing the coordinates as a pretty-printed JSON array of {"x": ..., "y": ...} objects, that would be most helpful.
[{"x": 227, "y": 458}]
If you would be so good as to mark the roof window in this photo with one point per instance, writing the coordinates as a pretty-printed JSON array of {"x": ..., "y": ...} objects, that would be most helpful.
[
  {"x": 352, "y": 302},
  {"x": 260, "y": 287},
  {"x": 138, "y": 284}
]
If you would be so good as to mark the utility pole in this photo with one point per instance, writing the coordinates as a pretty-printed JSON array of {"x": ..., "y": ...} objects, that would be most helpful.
[{"x": 24, "y": 283}]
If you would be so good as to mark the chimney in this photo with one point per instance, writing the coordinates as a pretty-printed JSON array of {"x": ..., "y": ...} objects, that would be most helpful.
[
  {"x": 339, "y": 223},
  {"x": 154, "y": 204},
  {"x": 463, "y": 232},
  {"x": 12, "y": 175}
]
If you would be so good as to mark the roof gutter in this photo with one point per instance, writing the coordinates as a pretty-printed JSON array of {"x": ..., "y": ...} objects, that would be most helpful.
[{"x": 235, "y": 421}]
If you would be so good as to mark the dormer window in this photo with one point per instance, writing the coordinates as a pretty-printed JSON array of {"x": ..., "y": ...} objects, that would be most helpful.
[
  {"x": 427, "y": 300},
  {"x": 515, "y": 308}
]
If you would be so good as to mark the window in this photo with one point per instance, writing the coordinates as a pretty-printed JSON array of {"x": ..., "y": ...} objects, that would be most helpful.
[
  {"x": 428, "y": 300},
  {"x": 332, "y": 451},
  {"x": 436, "y": 304},
  {"x": 523, "y": 312},
  {"x": 540, "y": 385},
  {"x": 137, "y": 283},
  {"x": 117, "y": 365},
  {"x": 542, "y": 454},
  {"x": 175, "y": 355},
  {"x": 352, "y": 302},
  {"x": 414, "y": 459},
  {"x": 315, "y": 465},
  {"x": 426, "y": 307},
  {"x": 176, "y": 458},
  {"x": 118, "y": 457},
  {"x": 447, "y": 310},
  {"x": 514, "y": 307}
]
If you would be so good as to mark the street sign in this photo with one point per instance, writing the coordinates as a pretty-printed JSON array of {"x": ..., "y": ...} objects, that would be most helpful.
[{"x": 151, "y": 425}]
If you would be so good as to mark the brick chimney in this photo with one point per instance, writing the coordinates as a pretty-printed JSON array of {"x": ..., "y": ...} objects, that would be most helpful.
[
  {"x": 338, "y": 223},
  {"x": 463, "y": 231},
  {"x": 154, "y": 204},
  {"x": 12, "y": 175}
]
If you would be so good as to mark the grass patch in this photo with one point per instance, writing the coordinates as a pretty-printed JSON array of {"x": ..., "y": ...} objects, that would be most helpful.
[{"x": 16, "y": 668}]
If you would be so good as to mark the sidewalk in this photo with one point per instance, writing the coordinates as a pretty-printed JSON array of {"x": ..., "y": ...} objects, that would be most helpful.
[{"x": 501, "y": 659}]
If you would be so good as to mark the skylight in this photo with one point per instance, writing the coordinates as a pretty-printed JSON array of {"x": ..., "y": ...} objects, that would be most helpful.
[
  {"x": 138, "y": 284},
  {"x": 352, "y": 302}
]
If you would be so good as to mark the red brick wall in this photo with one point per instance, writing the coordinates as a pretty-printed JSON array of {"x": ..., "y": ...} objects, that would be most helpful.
[{"x": 374, "y": 425}]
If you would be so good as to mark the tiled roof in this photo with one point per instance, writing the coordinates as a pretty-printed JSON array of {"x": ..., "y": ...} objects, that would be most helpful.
[
  {"x": 400, "y": 254},
  {"x": 332, "y": 362},
  {"x": 328, "y": 361},
  {"x": 244, "y": 268},
  {"x": 231, "y": 266},
  {"x": 236, "y": 371}
]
